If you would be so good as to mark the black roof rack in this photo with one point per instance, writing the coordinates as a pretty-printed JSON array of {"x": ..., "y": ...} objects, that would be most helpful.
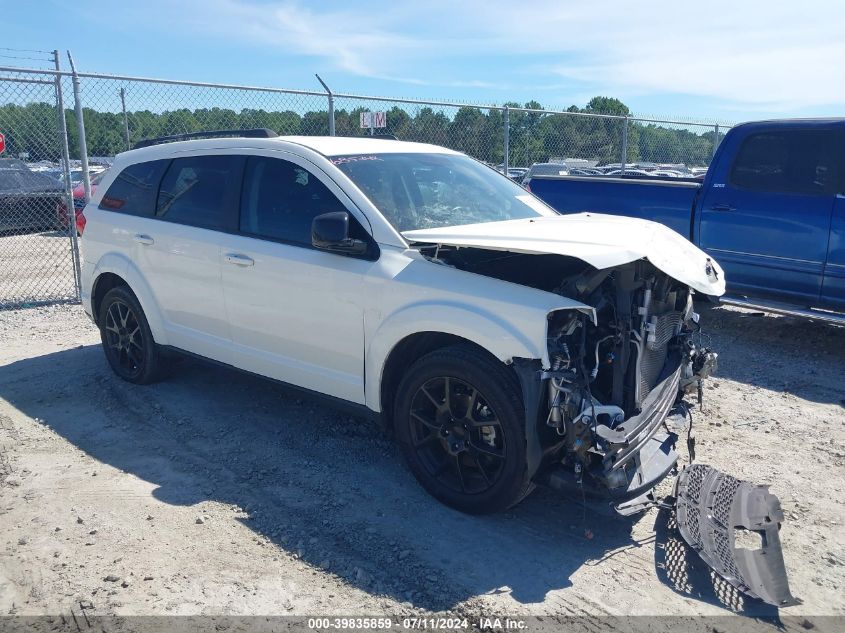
[
  {"x": 261, "y": 132},
  {"x": 386, "y": 136}
]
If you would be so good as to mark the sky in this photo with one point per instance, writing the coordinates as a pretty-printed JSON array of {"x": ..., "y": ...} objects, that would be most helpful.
[{"x": 721, "y": 61}]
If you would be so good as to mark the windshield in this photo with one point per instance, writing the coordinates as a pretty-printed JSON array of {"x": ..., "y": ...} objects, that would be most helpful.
[{"x": 421, "y": 191}]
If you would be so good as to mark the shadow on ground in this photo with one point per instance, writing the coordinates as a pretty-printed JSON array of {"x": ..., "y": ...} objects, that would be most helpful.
[
  {"x": 315, "y": 482},
  {"x": 763, "y": 350},
  {"x": 679, "y": 567}
]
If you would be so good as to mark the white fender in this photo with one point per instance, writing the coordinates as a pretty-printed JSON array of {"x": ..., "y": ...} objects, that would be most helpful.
[
  {"x": 128, "y": 271},
  {"x": 503, "y": 339}
]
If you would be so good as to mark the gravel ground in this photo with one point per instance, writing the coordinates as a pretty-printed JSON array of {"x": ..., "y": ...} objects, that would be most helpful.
[
  {"x": 216, "y": 492},
  {"x": 36, "y": 267}
]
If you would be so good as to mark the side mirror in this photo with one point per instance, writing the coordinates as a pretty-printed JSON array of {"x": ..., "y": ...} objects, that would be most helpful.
[{"x": 330, "y": 232}]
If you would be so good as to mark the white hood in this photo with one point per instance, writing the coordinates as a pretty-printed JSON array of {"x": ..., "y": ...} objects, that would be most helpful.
[{"x": 603, "y": 241}]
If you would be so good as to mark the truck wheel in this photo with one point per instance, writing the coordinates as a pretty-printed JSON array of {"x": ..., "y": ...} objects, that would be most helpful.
[
  {"x": 459, "y": 420},
  {"x": 127, "y": 339}
]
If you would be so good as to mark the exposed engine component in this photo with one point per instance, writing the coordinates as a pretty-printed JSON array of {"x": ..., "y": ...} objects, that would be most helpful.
[{"x": 612, "y": 384}]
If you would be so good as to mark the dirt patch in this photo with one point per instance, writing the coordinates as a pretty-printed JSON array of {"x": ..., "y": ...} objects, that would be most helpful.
[{"x": 216, "y": 492}]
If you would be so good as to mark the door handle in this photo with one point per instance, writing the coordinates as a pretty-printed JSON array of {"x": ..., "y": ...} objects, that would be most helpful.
[
  {"x": 239, "y": 260},
  {"x": 143, "y": 239},
  {"x": 723, "y": 207}
]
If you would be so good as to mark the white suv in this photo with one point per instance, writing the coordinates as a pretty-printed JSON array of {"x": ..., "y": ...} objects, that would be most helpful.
[{"x": 504, "y": 345}]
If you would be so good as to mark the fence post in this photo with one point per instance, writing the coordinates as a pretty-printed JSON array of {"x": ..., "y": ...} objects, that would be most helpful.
[
  {"x": 507, "y": 140},
  {"x": 715, "y": 138},
  {"x": 624, "y": 143},
  {"x": 80, "y": 124},
  {"x": 331, "y": 104},
  {"x": 71, "y": 210},
  {"x": 125, "y": 118}
]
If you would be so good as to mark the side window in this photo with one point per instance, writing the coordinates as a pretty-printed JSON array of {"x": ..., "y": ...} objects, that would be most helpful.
[
  {"x": 280, "y": 200},
  {"x": 793, "y": 161},
  {"x": 201, "y": 191},
  {"x": 134, "y": 189}
]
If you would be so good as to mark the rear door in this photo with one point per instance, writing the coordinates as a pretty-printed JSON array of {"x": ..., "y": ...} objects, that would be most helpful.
[
  {"x": 296, "y": 313},
  {"x": 766, "y": 217},
  {"x": 179, "y": 252}
]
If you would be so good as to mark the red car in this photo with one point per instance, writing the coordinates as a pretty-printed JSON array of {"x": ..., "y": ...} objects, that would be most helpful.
[{"x": 78, "y": 203}]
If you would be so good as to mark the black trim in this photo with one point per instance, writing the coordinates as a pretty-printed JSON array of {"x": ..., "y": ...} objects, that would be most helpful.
[
  {"x": 528, "y": 372},
  {"x": 372, "y": 255},
  {"x": 261, "y": 132},
  {"x": 352, "y": 408}
]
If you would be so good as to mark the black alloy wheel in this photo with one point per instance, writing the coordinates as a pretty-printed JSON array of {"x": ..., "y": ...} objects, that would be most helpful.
[
  {"x": 127, "y": 340},
  {"x": 459, "y": 418},
  {"x": 124, "y": 339},
  {"x": 457, "y": 435}
]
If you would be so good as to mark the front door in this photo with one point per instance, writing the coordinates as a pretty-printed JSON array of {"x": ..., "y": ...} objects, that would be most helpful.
[{"x": 296, "y": 313}]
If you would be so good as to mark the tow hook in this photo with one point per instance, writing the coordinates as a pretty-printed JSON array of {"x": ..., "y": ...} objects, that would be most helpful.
[{"x": 712, "y": 509}]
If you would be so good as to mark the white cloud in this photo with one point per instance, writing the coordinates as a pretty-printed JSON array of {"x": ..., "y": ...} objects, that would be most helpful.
[{"x": 771, "y": 55}]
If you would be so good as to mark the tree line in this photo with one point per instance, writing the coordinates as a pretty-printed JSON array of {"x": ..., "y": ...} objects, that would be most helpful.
[{"x": 534, "y": 136}]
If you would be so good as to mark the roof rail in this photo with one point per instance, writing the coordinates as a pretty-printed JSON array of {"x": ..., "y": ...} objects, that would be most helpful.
[
  {"x": 261, "y": 132},
  {"x": 385, "y": 136}
]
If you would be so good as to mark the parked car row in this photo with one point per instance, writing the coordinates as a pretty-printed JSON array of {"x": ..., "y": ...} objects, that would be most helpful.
[
  {"x": 27, "y": 199},
  {"x": 34, "y": 201},
  {"x": 631, "y": 170}
]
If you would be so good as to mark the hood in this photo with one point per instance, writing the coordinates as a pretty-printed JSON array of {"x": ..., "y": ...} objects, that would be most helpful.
[{"x": 603, "y": 241}]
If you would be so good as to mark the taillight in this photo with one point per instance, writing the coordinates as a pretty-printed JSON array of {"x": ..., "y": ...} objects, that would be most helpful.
[
  {"x": 61, "y": 212},
  {"x": 80, "y": 222}
]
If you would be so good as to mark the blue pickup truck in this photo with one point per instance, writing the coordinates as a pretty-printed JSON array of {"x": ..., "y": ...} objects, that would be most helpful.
[{"x": 771, "y": 211}]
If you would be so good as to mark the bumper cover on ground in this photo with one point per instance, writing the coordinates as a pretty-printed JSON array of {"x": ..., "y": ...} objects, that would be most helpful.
[{"x": 711, "y": 509}]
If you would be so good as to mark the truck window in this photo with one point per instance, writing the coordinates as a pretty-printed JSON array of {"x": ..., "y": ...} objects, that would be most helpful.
[{"x": 789, "y": 161}]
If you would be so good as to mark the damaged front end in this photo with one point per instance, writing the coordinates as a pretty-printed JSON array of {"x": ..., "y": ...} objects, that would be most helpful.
[
  {"x": 603, "y": 418},
  {"x": 615, "y": 392},
  {"x": 615, "y": 386}
]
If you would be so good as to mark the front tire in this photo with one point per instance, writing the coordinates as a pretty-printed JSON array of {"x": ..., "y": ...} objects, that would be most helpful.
[
  {"x": 127, "y": 340},
  {"x": 459, "y": 420}
]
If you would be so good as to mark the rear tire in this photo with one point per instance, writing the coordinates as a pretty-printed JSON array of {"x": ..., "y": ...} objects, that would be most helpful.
[
  {"x": 459, "y": 421},
  {"x": 127, "y": 340}
]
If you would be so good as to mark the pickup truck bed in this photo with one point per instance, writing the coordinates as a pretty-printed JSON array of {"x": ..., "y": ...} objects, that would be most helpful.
[{"x": 665, "y": 201}]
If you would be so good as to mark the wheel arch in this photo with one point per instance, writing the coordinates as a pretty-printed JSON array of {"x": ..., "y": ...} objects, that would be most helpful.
[
  {"x": 407, "y": 351},
  {"x": 420, "y": 329},
  {"x": 112, "y": 271}
]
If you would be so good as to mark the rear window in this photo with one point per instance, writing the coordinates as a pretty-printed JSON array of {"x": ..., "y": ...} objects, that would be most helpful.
[
  {"x": 134, "y": 190},
  {"x": 791, "y": 161}
]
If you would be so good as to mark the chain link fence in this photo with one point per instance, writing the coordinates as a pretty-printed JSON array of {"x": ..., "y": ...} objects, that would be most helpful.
[{"x": 38, "y": 250}]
